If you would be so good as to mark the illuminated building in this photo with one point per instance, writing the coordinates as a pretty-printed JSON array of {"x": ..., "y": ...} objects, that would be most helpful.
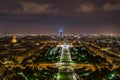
[
  {"x": 61, "y": 33},
  {"x": 14, "y": 40}
]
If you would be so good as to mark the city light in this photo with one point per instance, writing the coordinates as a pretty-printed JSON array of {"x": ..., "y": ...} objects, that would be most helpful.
[{"x": 60, "y": 40}]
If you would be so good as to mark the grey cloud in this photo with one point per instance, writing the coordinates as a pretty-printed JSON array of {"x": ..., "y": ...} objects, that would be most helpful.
[
  {"x": 86, "y": 8},
  {"x": 33, "y": 8},
  {"x": 111, "y": 7},
  {"x": 90, "y": 7}
]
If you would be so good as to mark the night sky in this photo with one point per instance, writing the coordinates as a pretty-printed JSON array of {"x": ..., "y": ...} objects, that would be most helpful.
[{"x": 47, "y": 16}]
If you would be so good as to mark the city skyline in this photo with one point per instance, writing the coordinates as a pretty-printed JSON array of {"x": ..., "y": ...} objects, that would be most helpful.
[{"x": 47, "y": 16}]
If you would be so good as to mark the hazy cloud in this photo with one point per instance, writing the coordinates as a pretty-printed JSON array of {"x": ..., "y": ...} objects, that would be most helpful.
[
  {"x": 33, "y": 8},
  {"x": 89, "y": 7},
  {"x": 111, "y": 7},
  {"x": 86, "y": 8}
]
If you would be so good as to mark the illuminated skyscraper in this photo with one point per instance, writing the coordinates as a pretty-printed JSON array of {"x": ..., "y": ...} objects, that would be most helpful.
[{"x": 61, "y": 33}]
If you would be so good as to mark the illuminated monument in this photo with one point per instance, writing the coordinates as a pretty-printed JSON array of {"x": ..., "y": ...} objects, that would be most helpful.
[
  {"x": 61, "y": 33},
  {"x": 14, "y": 40}
]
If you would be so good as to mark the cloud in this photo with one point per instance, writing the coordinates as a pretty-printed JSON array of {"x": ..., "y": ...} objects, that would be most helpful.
[
  {"x": 90, "y": 7},
  {"x": 33, "y": 8},
  {"x": 111, "y": 7},
  {"x": 86, "y": 8}
]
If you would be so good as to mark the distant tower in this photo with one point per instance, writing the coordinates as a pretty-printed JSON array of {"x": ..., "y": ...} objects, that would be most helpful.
[
  {"x": 61, "y": 33},
  {"x": 14, "y": 40}
]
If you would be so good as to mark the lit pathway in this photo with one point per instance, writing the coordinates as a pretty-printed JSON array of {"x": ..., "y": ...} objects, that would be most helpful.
[
  {"x": 66, "y": 68},
  {"x": 65, "y": 54}
]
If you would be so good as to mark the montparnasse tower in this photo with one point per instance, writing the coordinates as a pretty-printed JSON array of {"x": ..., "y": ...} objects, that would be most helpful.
[
  {"x": 61, "y": 32},
  {"x": 14, "y": 39}
]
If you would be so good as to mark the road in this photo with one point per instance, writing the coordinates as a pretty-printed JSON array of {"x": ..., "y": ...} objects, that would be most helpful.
[
  {"x": 66, "y": 73},
  {"x": 65, "y": 54},
  {"x": 104, "y": 49},
  {"x": 66, "y": 70}
]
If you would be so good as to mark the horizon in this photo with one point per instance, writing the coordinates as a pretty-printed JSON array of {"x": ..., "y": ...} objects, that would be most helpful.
[{"x": 47, "y": 16}]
